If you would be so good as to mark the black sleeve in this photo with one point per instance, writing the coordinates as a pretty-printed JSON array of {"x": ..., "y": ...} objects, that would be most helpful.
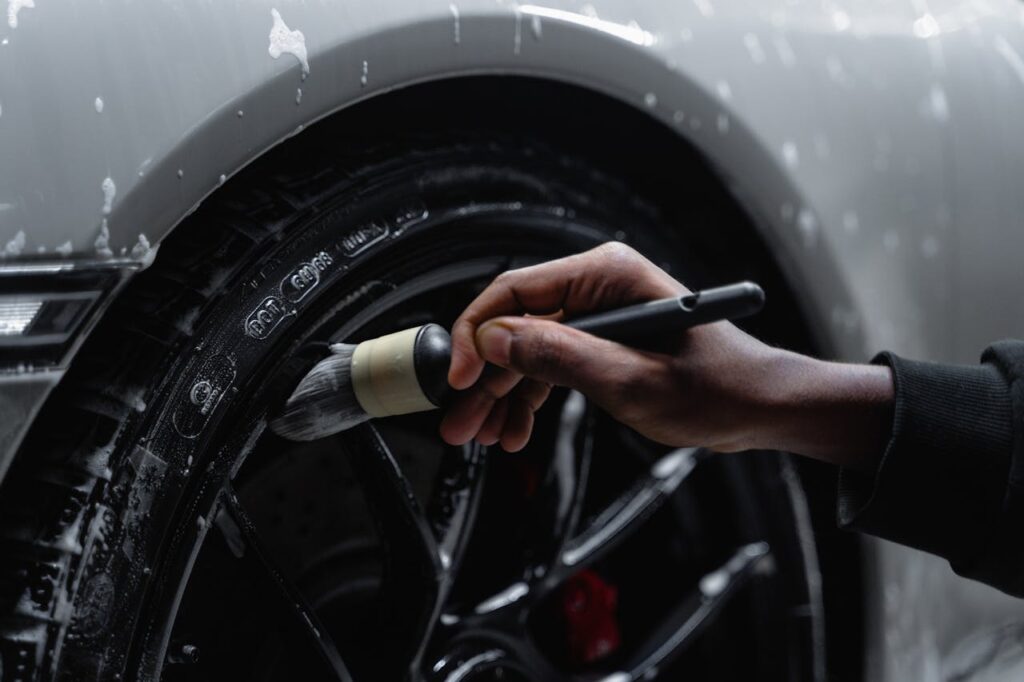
[{"x": 951, "y": 479}]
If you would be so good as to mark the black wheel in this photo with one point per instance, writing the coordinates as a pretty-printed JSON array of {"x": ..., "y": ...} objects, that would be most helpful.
[{"x": 156, "y": 530}]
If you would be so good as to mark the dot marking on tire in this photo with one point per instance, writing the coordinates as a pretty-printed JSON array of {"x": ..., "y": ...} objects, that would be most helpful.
[
  {"x": 200, "y": 398},
  {"x": 266, "y": 317}
]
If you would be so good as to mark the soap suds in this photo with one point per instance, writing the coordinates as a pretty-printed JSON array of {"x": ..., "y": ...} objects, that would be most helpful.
[
  {"x": 109, "y": 191},
  {"x": 456, "y": 24},
  {"x": 15, "y": 6},
  {"x": 16, "y": 245},
  {"x": 141, "y": 248},
  {"x": 283, "y": 40},
  {"x": 102, "y": 242}
]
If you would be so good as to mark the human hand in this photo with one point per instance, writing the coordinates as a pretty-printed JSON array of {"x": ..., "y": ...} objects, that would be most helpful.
[{"x": 706, "y": 392}]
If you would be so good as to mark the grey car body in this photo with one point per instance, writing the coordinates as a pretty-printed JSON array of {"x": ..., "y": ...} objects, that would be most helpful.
[{"x": 876, "y": 144}]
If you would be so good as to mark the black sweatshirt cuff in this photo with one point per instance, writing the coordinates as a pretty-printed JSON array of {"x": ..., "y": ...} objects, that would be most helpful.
[{"x": 941, "y": 482}]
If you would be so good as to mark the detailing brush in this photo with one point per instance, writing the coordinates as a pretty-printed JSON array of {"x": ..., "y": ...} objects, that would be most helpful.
[{"x": 407, "y": 371}]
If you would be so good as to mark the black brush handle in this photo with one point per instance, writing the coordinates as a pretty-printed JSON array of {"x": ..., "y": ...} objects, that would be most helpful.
[{"x": 674, "y": 314}]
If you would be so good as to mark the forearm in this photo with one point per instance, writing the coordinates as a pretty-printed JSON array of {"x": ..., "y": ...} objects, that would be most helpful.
[{"x": 836, "y": 412}]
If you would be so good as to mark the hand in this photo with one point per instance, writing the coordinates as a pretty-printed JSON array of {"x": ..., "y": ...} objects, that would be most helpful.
[
  {"x": 702, "y": 394},
  {"x": 721, "y": 388}
]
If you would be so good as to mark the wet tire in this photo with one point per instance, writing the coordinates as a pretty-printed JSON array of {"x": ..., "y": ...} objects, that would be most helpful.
[{"x": 107, "y": 505}]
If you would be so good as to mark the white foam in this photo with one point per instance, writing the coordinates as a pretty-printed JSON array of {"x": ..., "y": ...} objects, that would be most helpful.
[
  {"x": 15, "y": 6},
  {"x": 16, "y": 245},
  {"x": 456, "y": 24},
  {"x": 141, "y": 248},
  {"x": 109, "y": 192},
  {"x": 283, "y": 40},
  {"x": 102, "y": 243}
]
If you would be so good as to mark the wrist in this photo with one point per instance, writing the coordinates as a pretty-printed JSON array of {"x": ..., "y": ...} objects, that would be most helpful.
[{"x": 836, "y": 412}]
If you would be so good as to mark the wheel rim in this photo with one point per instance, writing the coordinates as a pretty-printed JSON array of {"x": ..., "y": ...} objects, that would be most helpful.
[{"x": 445, "y": 632}]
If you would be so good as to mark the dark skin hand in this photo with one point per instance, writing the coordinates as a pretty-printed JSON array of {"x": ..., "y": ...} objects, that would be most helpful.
[{"x": 721, "y": 389}]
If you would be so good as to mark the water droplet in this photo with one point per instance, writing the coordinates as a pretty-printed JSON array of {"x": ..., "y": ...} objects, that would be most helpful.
[
  {"x": 724, "y": 90},
  {"x": 239, "y": 113},
  {"x": 365, "y": 77},
  {"x": 936, "y": 104},
  {"x": 456, "y": 24},
  {"x": 790, "y": 154},
  {"x": 298, "y": 96},
  {"x": 64, "y": 249},
  {"x": 678, "y": 117},
  {"x": 808, "y": 226},
  {"x": 181, "y": 173},
  {"x": 891, "y": 241},
  {"x": 222, "y": 179},
  {"x": 5, "y": 41},
  {"x": 588, "y": 10},
  {"x": 926, "y": 26},
  {"x": 785, "y": 51},
  {"x": 723, "y": 124},
  {"x": 517, "y": 38},
  {"x": 754, "y": 49},
  {"x": 704, "y": 7},
  {"x": 841, "y": 20},
  {"x": 536, "y": 28},
  {"x": 651, "y": 100},
  {"x": 851, "y": 222},
  {"x": 930, "y": 247},
  {"x": 620, "y": 236},
  {"x": 98, "y": 105},
  {"x": 283, "y": 40},
  {"x": 836, "y": 71},
  {"x": 685, "y": 35},
  {"x": 109, "y": 191}
]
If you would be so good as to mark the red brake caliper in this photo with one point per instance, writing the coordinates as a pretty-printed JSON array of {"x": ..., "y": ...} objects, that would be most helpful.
[{"x": 588, "y": 604}]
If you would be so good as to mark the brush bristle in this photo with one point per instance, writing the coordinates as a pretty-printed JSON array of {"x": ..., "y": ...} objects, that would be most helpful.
[{"x": 324, "y": 403}]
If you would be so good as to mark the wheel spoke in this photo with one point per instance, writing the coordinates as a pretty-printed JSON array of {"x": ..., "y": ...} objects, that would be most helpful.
[
  {"x": 623, "y": 516},
  {"x": 694, "y": 613},
  {"x": 452, "y": 513},
  {"x": 571, "y": 465},
  {"x": 415, "y": 576},
  {"x": 280, "y": 602},
  {"x": 567, "y": 477}
]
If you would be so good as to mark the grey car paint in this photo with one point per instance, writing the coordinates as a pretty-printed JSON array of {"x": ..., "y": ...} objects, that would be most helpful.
[{"x": 876, "y": 144}]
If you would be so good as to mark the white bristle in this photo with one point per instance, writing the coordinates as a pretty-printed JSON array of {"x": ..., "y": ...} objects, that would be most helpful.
[{"x": 324, "y": 403}]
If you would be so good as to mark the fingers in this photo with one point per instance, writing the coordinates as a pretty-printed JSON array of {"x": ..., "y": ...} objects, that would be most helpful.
[
  {"x": 608, "y": 276},
  {"x": 476, "y": 415},
  {"x": 550, "y": 352},
  {"x": 471, "y": 409}
]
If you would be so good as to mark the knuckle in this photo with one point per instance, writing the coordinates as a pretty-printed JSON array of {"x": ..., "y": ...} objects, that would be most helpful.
[
  {"x": 507, "y": 279},
  {"x": 618, "y": 253}
]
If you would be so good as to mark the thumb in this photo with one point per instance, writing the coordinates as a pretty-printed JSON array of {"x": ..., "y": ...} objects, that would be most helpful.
[{"x": 548, "y": 351}]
